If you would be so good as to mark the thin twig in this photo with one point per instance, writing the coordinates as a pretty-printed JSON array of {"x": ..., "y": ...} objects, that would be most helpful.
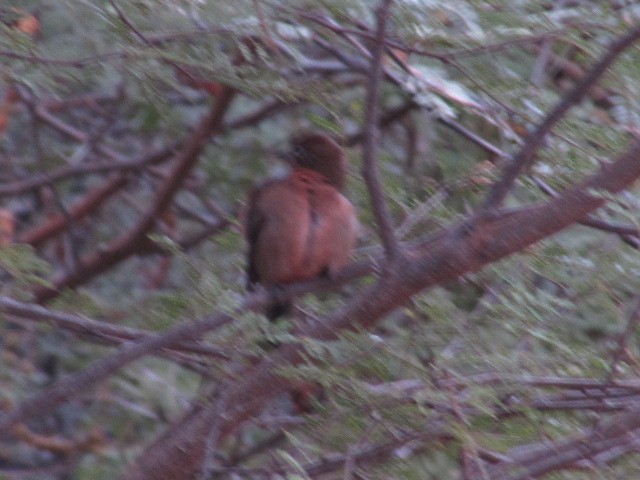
[
  {"x": 371, "y": 138},
  {"x": 113, "y": 334},
  {"x": 623, "y": 339}
]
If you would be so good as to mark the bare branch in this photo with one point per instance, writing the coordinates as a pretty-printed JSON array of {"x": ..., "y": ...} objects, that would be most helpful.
[
  {"x": 76, "y": 383},
  {"x": 92, "y": 201},
  {"x": 524, "y": 158},
  {"x": 371, "y": 138},
  {"x": 103, "y": 331},
  {"x": 616, "y": 432},
  {"x": 34, "y": 181},
  {"x": 130, "y": 242}
]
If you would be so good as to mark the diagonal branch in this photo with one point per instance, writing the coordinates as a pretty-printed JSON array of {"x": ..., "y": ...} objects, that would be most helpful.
[
  {"x": 78, "y": 382},
  {"x": 524, "y": 158},
  {"x": 39, "y": 234}
]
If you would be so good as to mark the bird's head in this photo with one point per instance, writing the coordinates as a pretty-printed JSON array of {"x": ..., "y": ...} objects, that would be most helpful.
[{"x": 318, "y": 152}]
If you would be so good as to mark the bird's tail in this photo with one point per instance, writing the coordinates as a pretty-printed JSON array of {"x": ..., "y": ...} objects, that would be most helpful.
[{"x": 276, "y": 310}]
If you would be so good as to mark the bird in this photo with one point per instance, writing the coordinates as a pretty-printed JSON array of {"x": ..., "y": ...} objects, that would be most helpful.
[{"x": 301, "y": 226}]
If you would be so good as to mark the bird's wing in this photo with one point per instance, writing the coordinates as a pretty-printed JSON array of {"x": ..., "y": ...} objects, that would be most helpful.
[{"x": 253, "y": 221}]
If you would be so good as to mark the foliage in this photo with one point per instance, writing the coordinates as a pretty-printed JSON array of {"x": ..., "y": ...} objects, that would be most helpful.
[{"x": 451, "y": 383}]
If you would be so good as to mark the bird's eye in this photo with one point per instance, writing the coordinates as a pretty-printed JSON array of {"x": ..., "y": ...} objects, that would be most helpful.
[{"x": 298, "y": 151}]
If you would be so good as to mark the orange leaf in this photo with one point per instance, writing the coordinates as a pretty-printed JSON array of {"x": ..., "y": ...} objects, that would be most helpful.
[
  {"x": 28, "y": 24},
  {"x": 7, "y": 227}
]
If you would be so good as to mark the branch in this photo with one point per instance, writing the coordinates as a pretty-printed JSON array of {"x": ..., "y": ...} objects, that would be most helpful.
[
  {"x": 128, "y": 243},
  {"x": 34, "y": 181},
  {"x": 524, "y": 158},
  {"x": 387, "y": 118},
  {"x": 628, "y": 233},
  {"x": 371, "y": 138},
  {"x": 54, "y": 122},
  {"x": 103, "y": 331},
  {"x": 59, "y": 222},
  {"x": 77, "y": 383},
  {"x": 613, "y": 433}
]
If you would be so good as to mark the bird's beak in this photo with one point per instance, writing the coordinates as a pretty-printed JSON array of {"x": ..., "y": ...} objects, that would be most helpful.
[{"x": 284, "y": 155}]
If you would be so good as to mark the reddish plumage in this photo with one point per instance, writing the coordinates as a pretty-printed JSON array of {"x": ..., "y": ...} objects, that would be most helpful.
[{"x": 301, "y": 226}]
